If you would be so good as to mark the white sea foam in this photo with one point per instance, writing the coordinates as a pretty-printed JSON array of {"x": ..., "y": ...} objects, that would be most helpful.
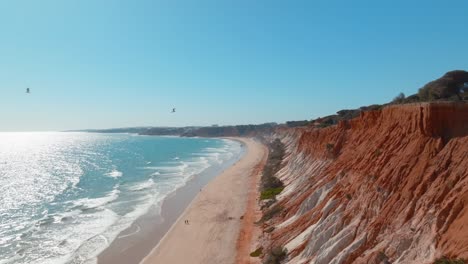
[
  {"x": 162, "y": 169},
  {"x": 169, "y": 178},
  {"x": 142, "y": 185},
  {"x": 138, "y": 229},
  {"x": 88, "y": 239},
  {"x": 89, "y": 251},
  {"x": 90, "y": 203},
  {"x": 114, "y": 174}
]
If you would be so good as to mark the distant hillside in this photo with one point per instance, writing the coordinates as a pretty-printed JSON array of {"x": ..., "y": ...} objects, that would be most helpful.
[
  {"x": 159, "y": 131},
  {"x": 232, "y": 131},
  {"x": 212, "y": 131},
  {"x": 452, "y": 86},
  {"x": 133, "y": 130},
  {"x": 168, "y": 131}
]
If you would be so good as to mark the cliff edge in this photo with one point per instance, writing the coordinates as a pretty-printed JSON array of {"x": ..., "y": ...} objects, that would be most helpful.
[{"x": 390, "y": 186}]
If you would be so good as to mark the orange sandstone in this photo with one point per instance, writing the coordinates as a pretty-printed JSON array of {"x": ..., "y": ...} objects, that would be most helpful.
[{"x": 390, "y": 185}]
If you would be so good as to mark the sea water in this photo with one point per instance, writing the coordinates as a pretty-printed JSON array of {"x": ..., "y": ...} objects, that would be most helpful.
[{"x": 65, "y": 196}]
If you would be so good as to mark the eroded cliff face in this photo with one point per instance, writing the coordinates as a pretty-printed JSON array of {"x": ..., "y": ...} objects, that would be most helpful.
[{"x": 390, "y": 186}]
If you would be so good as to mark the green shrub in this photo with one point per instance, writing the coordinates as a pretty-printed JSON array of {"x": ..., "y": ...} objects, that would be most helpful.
[
  {"x": 269, "y": 214},
  {"x": 257, "y": 252},
  {"x": 275, "y": 256},
  {"x": 330, "y": 149},
  {"x": 297, "y": 123},
  {"x": 400, "y": 98},
  {"x": 270, "y": 193},
  {"x": 448, "y": 87},
  {"x": 266, "y": 204},
  {"x": 324, "y": 125},
  {"x": 377, "y": 152},
  {"x": 372, "y": 177},
  {"x": 270, "y": 185},
  {"x": 447, "y": 260},
  {"x": 382, "y": 257},
  {"x": 272, "y": 166}
]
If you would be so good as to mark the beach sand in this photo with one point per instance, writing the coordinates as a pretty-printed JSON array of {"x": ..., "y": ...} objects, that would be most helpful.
[{"x": 214, "y": 217}]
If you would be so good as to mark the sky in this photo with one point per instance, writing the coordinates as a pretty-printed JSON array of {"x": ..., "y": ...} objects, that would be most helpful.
[{"x": 119, "y": 63}]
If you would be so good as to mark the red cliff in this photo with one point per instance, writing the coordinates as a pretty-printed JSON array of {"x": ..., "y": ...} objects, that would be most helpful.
[{"x": 390, "y": 186}]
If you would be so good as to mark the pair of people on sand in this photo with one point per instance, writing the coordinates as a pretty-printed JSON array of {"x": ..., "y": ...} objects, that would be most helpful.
[{"x": 186, "y": 222}]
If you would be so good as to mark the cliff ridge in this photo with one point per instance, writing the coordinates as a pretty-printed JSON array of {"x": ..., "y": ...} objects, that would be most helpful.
[{"x": 390, "y": 186}]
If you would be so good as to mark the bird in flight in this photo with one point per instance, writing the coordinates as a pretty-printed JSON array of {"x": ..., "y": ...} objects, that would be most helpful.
[
  {"x": 173, "y": 110},
  {"x": 28, "y": 90}
]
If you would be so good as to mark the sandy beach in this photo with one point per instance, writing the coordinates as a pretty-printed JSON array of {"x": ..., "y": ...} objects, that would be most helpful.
[{"x": 216, "y": 217}]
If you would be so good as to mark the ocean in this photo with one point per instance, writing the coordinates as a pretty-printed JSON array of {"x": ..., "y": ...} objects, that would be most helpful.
[{"x": 64, "y": 197}]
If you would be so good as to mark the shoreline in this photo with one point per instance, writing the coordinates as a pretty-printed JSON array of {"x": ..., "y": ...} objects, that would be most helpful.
[
  {"x": 138, "y": 240},
  {"x": 215, "y": 216}
]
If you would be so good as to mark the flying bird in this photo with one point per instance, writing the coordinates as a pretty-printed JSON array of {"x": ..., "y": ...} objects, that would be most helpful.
[{"x": 28, "y": 90}]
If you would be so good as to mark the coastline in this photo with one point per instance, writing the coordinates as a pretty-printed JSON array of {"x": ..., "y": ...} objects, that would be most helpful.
[
  {"x": 138, "y": 240},
  {"x": 215, "y": 216}
]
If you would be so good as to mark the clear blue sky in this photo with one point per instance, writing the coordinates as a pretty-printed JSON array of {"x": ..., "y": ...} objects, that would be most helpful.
[{"x": 101, "y": 64}]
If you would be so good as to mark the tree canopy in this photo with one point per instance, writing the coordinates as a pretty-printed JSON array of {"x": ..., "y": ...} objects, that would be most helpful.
[{"x": 450, "y": 86}]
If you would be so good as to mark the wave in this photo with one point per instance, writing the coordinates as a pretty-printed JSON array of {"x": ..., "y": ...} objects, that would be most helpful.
[
  {"x": 93, "y": 203},
  {"x": 90, "y": 233},
  {"x": 142, "y": 186},
  {"x": 162, "y": 168},
  {"x": 114, "y": 174},
  {"x": 88, "y": 250},
  {"x": 138, "y": 229},
  {"x": 215, "y": 150}
]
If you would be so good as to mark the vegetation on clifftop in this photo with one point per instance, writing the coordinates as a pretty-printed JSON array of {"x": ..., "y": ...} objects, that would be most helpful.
[
  {"x": 270, "y": 184},
  {"x": 452, "y": 86}
]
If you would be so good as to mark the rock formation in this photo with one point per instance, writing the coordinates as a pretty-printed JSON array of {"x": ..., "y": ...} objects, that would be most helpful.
[{"x": 390, "y": 186}]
